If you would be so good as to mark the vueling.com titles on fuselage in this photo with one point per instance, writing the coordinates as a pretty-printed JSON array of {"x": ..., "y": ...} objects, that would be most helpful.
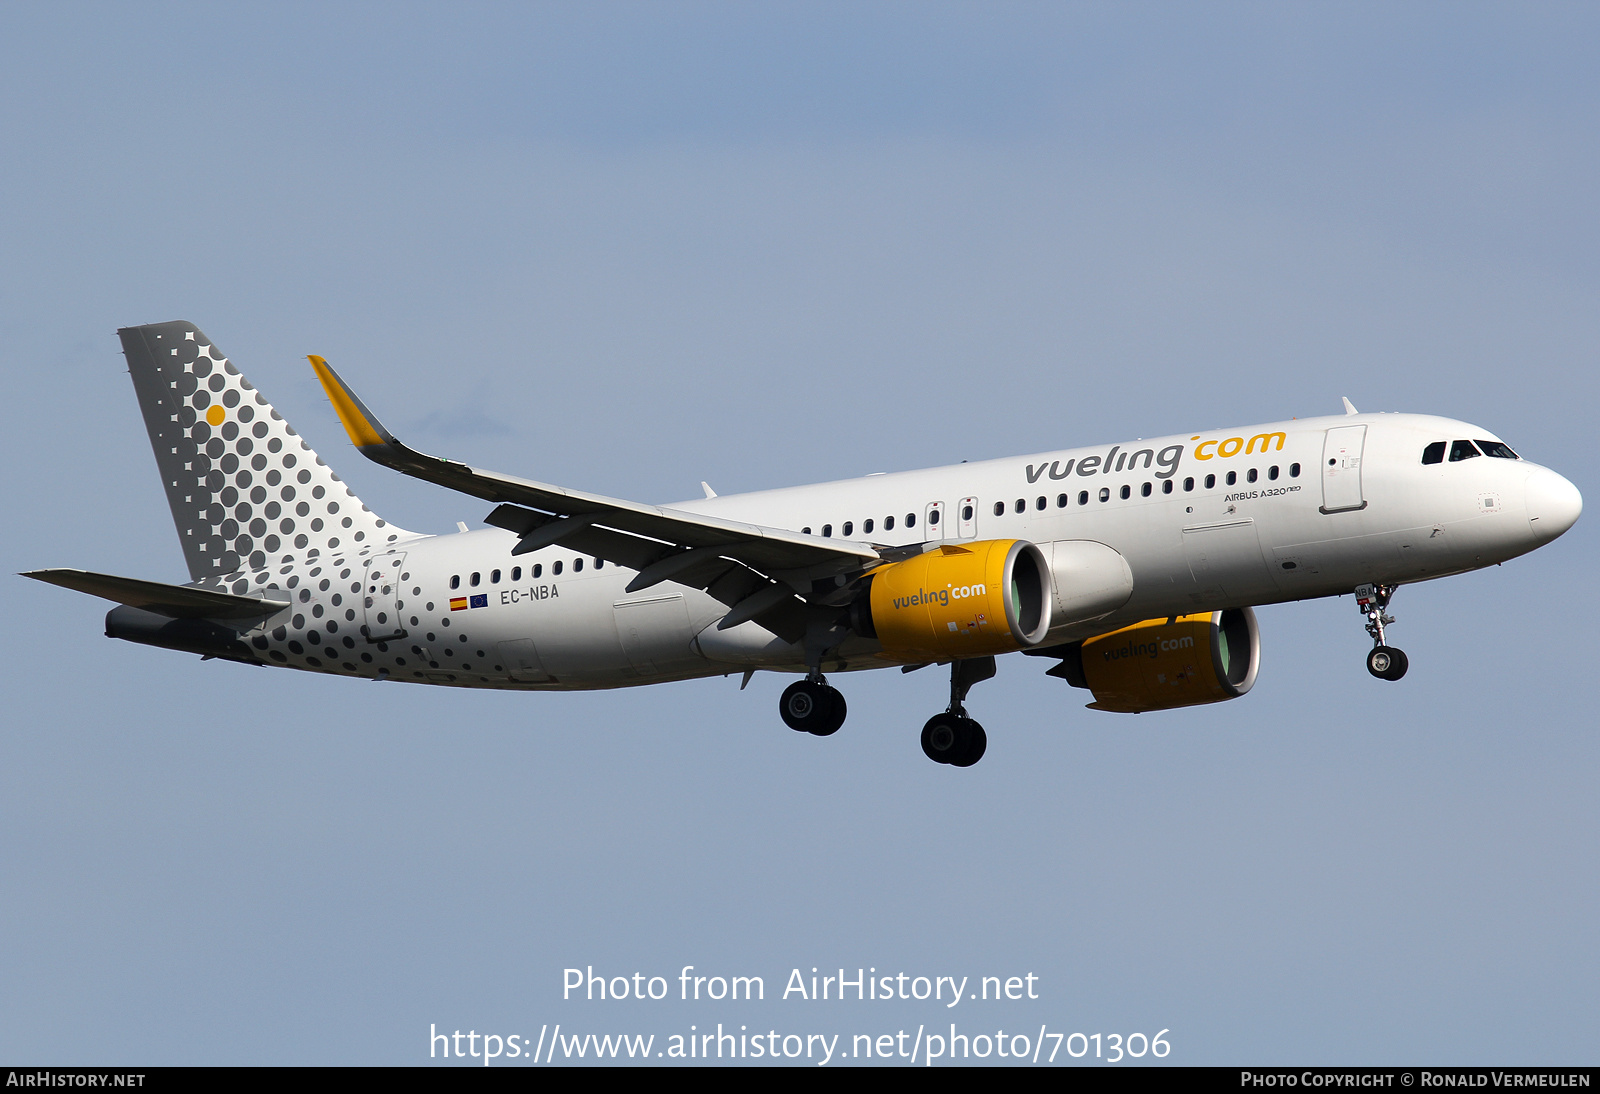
[{"x": 1167, "y": 458}]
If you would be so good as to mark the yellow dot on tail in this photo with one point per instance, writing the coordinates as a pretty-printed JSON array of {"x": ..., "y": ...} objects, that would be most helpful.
[{"x": 216, "y": 414}]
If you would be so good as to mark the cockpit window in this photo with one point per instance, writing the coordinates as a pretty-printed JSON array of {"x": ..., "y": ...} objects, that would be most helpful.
[
  {"x": 1434, "y": 453},
  {"x": 1497, "y": 449},
  {"x": 1462, "y": 450}
]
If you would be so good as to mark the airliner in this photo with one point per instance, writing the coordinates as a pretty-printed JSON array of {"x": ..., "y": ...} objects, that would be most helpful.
[{"x": 1133, "y": 567}]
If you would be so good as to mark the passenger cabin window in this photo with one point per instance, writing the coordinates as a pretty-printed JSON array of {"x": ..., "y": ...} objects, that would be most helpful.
[
  {"x": 1105, "y": 493},
  {"x": 476, "y": 578},
  {"x": 1250, "y": 475},
  {"x": 516, "y": 573},
  {"x": 849, "y": 526},
  {"x": 888, "y": 524},
  {"x": 1294, "y": 471},
  {"x": 599, "y": 563},
  {"x": 1041, "y": 502},
  {"x": 1497, "y": 449},
  {"x": 933, "y": 517},
  {"x": 1188, "y": 484},
  {"x": 911, "y": 520},
  {"x": 1021, "y": 505},
  {"x": 455, "y": 581},
  {"x": 1434, "y": 453},
  {"x": 999, "y": 508},
  {"x": 1144, "y": 491},
  {"x": 805, "y": 531},
  {"x": 538, "y": 568},
  {"x": 1272, "y": 472},
  {"x": 966, "y": 512},
  {"x": 1233, "y": 477},
  {"x": 1061, "y": 501},
  {"x": 1462, "y": 450},
  {"x": 827, "y": 530},
  {"x": 555, "y": 567},
  {"x": 866, "y": 527},
  {"x": 1211, "y": 482},
  {"x": 577, "y": 565},
  {"x": 1083, "y": 497},
  {"x": 1166, "y": 487},
  {"x": 494, "y": 577}
]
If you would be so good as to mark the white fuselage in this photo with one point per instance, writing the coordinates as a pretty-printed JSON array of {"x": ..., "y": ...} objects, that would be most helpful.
[{"x": 1287, "y": 511}]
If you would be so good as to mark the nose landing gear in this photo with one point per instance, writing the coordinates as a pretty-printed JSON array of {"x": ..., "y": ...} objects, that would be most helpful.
[
  {"x": 812, "y": 706},
  {"x": 952, "y": 737},
  {"x": 1384, "y": 661}
]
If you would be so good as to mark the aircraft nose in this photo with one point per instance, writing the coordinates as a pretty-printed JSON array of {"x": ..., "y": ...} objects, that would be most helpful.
[{"x": 1553, "y": 504}]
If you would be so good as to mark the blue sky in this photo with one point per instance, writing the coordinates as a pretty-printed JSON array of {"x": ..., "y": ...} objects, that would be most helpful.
[{"x": 630, "y": 247}]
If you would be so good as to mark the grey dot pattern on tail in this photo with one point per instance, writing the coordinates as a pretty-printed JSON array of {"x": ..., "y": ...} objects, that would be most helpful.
[
  {"x": 246, "y": 491},
  {"x": 257, "y": 510}
]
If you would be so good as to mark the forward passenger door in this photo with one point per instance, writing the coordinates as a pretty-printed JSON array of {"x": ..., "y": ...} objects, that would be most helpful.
[{"x": 1341, "y": 469}]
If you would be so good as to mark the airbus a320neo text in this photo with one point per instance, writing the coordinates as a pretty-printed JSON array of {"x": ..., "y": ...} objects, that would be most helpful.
[{"x": 1130, "y": 568}]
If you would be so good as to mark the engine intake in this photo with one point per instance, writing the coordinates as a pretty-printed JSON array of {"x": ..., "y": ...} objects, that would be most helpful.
[{"x": 960, "y": 600}]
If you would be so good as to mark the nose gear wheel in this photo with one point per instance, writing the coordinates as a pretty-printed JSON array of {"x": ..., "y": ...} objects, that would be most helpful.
[
  {"x": 1384, "y": 661},
  {"x": 1387, "y": 663}
]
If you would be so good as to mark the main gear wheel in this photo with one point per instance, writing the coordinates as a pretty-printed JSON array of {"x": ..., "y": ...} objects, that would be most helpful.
[
  {"x": 954, "y": 739},
  {"x": 811, "y": 706}
]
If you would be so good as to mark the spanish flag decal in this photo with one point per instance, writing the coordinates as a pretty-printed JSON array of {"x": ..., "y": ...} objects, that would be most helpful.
[{"x": 458, "y": 603}]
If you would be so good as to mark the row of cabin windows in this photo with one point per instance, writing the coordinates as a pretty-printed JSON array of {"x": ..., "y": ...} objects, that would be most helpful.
[
  {"x": 535, "y": 572},
  {"x": 848, "y": 528},
  {"x": 1145, "y": 490},
  {"x": 1063, "y": 500},
  {"x": 1021, "y": 505},
  {"x": 1465, "y": 450}
]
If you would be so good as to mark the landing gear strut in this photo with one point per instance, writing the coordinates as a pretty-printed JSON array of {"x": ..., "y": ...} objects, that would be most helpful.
[
  {"x": 1384, "y": 661},
  {"x": 952, "y": 737},
  {"x": 812, "y": 706}
]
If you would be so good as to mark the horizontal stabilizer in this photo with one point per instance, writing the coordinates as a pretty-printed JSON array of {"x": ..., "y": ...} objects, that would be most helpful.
[{"x": 176, "y": 601}]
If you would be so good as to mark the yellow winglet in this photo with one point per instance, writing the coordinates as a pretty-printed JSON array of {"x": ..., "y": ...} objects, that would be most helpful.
[{"x": 364, "y": 429}]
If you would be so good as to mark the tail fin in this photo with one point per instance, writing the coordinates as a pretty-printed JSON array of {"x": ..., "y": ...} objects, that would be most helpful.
[{"x": 246, "y": 492}]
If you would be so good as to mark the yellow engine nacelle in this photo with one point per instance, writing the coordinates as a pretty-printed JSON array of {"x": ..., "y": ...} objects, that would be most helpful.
[
  {"x": 961, "y": 600},
  {"x": 1159, "y": 664}
]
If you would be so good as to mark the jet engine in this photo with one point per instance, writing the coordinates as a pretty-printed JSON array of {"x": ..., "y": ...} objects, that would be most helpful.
[
  {"x": 955, "y": 601},
  {"x": 1159, "y": 664}
]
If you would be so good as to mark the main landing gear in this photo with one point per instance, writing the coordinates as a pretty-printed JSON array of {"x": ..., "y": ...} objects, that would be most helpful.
[
  {"x": 952, "y": 737},
  {"x": 812, "y": 706},
  {"x": 1385, "y": 662}
]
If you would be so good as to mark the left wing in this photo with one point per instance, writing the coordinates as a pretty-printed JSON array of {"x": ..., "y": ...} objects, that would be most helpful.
[{"x": 737, "y": 563}]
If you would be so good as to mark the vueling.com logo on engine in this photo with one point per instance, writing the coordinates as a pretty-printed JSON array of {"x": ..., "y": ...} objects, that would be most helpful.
[{"x": 942, "y": 597}]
